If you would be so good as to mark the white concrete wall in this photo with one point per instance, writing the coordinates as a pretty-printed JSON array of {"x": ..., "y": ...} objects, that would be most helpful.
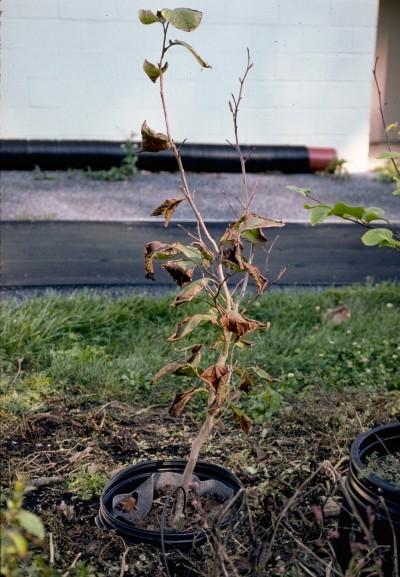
[{"x": 72, "y": 69}]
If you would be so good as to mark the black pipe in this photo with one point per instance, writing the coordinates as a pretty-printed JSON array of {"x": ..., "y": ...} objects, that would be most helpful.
[{"x": 64, "y": 154}]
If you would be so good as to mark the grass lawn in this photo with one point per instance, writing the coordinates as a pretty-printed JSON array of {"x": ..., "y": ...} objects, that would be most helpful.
[{"x": 78, "y": 403}]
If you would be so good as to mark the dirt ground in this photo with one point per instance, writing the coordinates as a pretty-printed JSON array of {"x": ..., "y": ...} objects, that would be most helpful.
[{"x": 290, "y": 469}]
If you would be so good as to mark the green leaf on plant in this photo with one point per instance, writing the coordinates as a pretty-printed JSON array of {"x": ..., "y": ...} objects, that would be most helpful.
[
  {"x": 373, "y": 213},
  {"x": 302, "y": 191},
  {"x": 380, "y": 237},
  {"x": 255, "y": 236},
  {"x": 148, "y": 17},
  {"x": 318, "y": 213},
  {"x": 32, "y": 524},
  {"x": 388, "y": 155},
  {"x": 20, "y": 543},
  {"x": 184, "y": 19},
  {"x": 190, "y": 252},
  {"x": 152, "y": 71},
  {"x": 153, "y": 141},
  {"x": 346, "y": 210},
  {"x": 196, "y": 55}
]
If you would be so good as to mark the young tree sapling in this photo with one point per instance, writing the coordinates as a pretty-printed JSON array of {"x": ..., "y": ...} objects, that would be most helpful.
[{"x": 215, "y": 262}]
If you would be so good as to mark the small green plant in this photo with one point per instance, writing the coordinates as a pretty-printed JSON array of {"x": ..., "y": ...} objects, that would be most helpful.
[
  {"x": 337, "y": 167},
  {"x": 203, "y": 268},
  {"x": 19, "y": 529},
  {"x": 87, "y": 483},
  {"x": 363, "y": 216},
  {"x": 125, "y": 171}
]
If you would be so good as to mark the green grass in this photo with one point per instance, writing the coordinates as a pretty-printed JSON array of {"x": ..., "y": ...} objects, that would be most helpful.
[{"x": 100, "y": 348}]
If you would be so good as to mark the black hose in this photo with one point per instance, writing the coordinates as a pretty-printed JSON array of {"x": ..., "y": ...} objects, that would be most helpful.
[{"x": 64, "y": 154}]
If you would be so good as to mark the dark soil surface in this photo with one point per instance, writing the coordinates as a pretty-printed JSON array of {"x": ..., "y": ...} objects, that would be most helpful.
[{"x": 291, "y": 468}]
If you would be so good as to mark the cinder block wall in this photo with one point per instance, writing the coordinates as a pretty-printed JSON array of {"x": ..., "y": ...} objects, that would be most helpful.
[{"x": 72, "y": 69}]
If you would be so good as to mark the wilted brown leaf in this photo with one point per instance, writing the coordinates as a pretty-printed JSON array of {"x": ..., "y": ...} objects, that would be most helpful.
[
  {"x": 195, "y": 357},
  {"x": 181, "y": 400},
  {"x": 153, "y": 141},
  {"x": 337, "y": 316},
  {"x": 179, "y": 272},
  {"x": 235, "y": 323},
  {"x": 128, "y": 504},
  {"x": 167, "y": 209},
  {"x": 216, "y": 376},
  {"x": 244, "y": 422},
  {"x": 158, "y": 250},
  {"x": 166, "y": 370},
  {"x": 205, "y": 252},
  {"x": 246, "y": 382},
  {"x": 255, "y": 273},
  {"x": 67, "y": 510},
  {"x": 186, "y": 326},
  {"x": 190, "y": 291},
  {"x": 251, "y": 221}
]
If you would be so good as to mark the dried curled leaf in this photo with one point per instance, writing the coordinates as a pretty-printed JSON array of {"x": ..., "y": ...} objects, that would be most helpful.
[
  {"x": 251, "y": 221},
  {"x": 167, "y": 369},
  {"x": 128, "y": 504},
  {"x": 180, "y": 271},
  {"x": 181, "y": 400},
  {"x": 194, "y": 53},
  {"x": 156, "y": 250},
  {"x": 190, "y": 291},
  {"x": 153, "y": 141},
  {"x": 216, "y": 376},
  {"x": 249, "y": 227},
  {"x": 233, "y": 254},
  {"x": 167, "y": 209},
  {"x": 337, "y": 316},
  {"x": 244, "y": 422},
  {"x": 207, "y": 255},
  {"x": 186, "y": 326},
  {"x": 195, "y": 357},
  {"x": 255, "y": 273},
  {"x": 233, "y": 322}
]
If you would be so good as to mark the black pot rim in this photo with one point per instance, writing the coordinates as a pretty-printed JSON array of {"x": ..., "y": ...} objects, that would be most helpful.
[
  {"x": 359, "y": 467},
  {"x": 135, "y": 534}
]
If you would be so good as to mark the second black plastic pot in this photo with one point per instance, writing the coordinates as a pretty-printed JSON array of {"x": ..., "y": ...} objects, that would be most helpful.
[
  {"x": 372, "y": 499},
  {"x": 131, "y": 477}
]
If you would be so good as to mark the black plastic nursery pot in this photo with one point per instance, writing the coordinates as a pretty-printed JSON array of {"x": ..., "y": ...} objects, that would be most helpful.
[
  {"x": 372, "y": 498},
  {"x": 131, "y": 477}
]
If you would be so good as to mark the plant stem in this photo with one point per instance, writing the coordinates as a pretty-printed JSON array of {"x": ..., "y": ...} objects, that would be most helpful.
[{"x": 185, "y": 187}]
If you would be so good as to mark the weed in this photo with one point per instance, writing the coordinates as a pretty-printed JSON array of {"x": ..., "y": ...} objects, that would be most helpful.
[
  {"x": 125, "y": 171},
  {"x": 87, "y": 483}
]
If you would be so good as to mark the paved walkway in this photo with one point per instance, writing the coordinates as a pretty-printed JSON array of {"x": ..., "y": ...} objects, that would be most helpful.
[{"x": 64, "y": 196}]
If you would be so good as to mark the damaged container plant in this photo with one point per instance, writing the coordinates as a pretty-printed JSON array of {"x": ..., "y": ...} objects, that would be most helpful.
[{"x": 194, "y": 495}]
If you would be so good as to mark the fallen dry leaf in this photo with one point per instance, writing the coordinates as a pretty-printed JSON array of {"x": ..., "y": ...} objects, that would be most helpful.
[{"x": 337, "y": 316}]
